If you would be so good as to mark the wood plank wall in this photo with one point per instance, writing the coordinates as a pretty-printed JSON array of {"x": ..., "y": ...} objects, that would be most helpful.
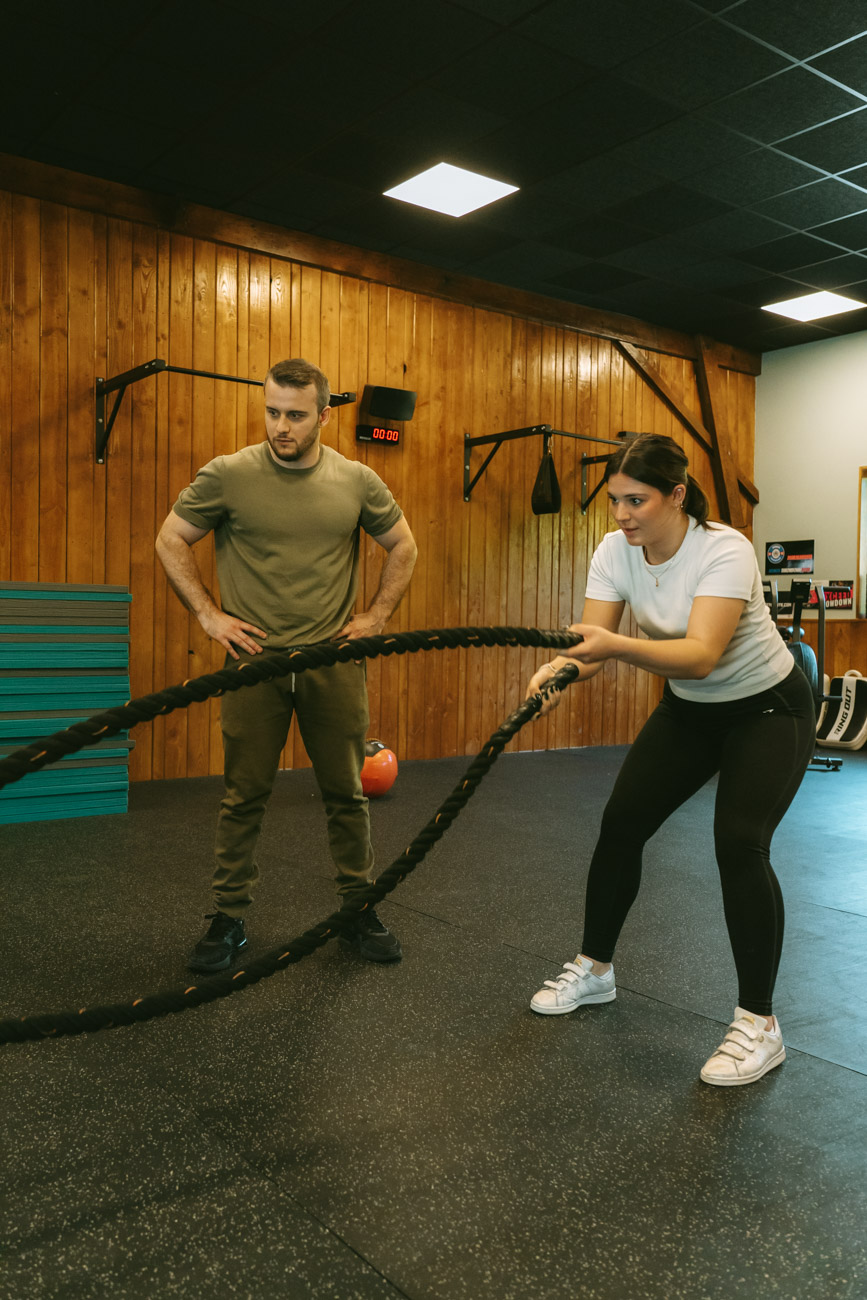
[{"x": 85, "y": 295}]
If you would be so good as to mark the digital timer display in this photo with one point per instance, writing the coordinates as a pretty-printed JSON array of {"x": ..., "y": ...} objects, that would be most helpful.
[{"x": 383, "y": 433}]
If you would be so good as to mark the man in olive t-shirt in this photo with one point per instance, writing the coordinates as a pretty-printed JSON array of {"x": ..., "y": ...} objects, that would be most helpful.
[{"x": 286, "y": 516}]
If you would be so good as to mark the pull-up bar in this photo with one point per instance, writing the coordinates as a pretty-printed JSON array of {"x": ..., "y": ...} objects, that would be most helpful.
[
  {"x": 546, "y": 432},
  {"x": 120, "y": 383}
]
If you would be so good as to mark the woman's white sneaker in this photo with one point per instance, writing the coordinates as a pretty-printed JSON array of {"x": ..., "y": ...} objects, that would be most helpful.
[
  {"x": 576, "y": 987},
  {"x": 746, "y": 1053}
]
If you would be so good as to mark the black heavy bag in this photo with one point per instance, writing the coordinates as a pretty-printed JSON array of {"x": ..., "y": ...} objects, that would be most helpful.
[{"x": 546, "y": 490}]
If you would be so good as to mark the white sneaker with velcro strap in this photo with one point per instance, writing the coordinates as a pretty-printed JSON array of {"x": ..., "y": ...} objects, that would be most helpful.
[
  {"x": 576, "y": 987},
  {"x": 746, "y": 1053}
]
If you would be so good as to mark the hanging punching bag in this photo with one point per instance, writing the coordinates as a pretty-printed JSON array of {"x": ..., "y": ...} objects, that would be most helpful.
[{"x": 546, "y": 490}]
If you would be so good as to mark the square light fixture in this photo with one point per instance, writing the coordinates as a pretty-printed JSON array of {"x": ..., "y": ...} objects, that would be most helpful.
[
  {"x": 451, "y": 190},
  {"x": 812, "y": 306}
]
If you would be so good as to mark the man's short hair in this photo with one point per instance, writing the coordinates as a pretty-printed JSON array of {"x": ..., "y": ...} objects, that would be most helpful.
[{"x": 298, "y": 373}]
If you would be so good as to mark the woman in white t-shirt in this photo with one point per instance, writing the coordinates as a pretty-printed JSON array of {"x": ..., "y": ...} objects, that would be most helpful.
[{"x": 734, "y": 703}]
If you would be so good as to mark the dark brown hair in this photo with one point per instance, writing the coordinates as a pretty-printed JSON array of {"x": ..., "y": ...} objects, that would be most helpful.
[
  {"x": 298, "y": 373},
  {"x": 658, "y": 461}
]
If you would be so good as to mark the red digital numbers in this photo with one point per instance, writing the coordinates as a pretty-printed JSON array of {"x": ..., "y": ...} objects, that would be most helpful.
[{"x": 386, "y": 435}]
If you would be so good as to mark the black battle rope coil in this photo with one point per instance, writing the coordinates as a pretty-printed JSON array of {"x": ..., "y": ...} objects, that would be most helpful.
[{"x": 297, "y": 659}]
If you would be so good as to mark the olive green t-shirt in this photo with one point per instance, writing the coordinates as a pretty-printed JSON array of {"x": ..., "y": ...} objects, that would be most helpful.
[{"x": 287, "y": 540}]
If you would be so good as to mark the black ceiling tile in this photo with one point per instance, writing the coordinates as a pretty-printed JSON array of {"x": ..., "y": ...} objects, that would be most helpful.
[
  {"x": 529, "y": 260},
  {"x": 517, "y": 154},
  {"x": 836, "y": 146},
  {"x": 596, "y": 237},
  {"x": 717, "y": 6},
  {"x": 455, "y": 239},
  {"x": 858, "y": 290},
  {"x": 435, "y": 121},
  {"x": 855, "y": 176},
  {"x": 172, "y": 101},
  {"x": 850, "y": 322},
  {"x": 112, "y": 141},
  {"x": 784, "y": 104},
  {"x": 717, "y": 274},
  {"x": 753, "y": 176},
  {"x": 667, "y": 208},
  {"x": 773, "y": 288},
  {"x": 507, "y": 75},
  {"x": 669, "y": 304},
  {"x": 595, "y": 278},
  {"x": 703, "y": 64},
  {"x": 581, "y": 125},
  {"x": 681, "y": 147},
  {"x": 788, "y": 253},
  {"x": 499, "y": 11},
  {"x": 201, "y": 32},
  {"x": 116, "y": 23},
  {"x": 388, "y": 39},
  {"x": 833, "y": 273},
  {"x": 368, "y": 162},
  {"x": 297, "y": 199},
  {"x": 597, "y": 184},
  {"x": 297, "y": 20},
  {"x": 850, "y": 232},
  {"x": 801, "y": 28},
  {"x": 662, "y": 257},
  {"x": 813, "y": 204},
  {"x": 793, "y": 334},
  {"x": 734, "y": 230},
  {"x": 847, "y": 64},
  {"x": 386, "y": 220},
  {"x": 604, "y": 33},
  {"x": 527, "y": 215},
  {"x": 49, "y": 64}
]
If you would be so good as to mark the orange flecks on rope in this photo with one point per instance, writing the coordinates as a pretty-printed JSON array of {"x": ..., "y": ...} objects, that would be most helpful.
[
  {"x": 37, "y": 757},
  {"x": 238, "y": 974}
]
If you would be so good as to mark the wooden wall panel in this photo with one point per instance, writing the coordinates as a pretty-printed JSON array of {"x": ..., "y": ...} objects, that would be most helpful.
[{"x": 83, "y": 294}]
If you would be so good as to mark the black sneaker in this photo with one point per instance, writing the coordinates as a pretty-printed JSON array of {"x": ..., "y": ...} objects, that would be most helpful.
[
  {"x": 371, "y": 939},
  {"x": 216, "y": 949}
]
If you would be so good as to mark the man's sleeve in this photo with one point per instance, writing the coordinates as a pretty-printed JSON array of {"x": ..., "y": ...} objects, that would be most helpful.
[
  {"x": 379, "y": 510},
  {"x": 203, "y": 504}
]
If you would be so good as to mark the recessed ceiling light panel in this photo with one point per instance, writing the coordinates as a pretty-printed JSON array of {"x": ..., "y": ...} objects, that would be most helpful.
[
  {"x": 451, "y": 190},
  {"x": 812, "y": 306}
]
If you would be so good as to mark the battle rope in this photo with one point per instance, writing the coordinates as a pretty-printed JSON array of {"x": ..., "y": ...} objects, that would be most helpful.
[
  {"x": 168, "y": 1002},
  {"x": 263, "y": 669}
]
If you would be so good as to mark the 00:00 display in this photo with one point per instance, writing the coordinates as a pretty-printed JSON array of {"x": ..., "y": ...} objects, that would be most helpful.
[{"x": 386, "y": 435}]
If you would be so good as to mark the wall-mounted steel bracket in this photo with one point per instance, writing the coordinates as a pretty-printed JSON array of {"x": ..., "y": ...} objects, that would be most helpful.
[
  {"x": 534, "y": 430},
  {"x": 120, "y": 383}
]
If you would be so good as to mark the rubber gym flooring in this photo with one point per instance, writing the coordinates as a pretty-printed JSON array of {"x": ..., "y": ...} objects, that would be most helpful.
[{"x": 346, "y": 1131}]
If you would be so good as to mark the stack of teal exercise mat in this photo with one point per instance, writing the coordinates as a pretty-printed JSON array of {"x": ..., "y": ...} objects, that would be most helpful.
[{"x": 64, "y": 655}]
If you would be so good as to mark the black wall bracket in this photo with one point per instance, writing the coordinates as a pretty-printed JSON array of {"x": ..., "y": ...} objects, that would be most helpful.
[
  {"x": 119, "y": 384},
  {"x": 546, "y": 432}
]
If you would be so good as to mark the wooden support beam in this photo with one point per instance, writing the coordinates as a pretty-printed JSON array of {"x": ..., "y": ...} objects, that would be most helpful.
[
  {"x": 710, "y": 382},
  {"x": 694, "y": 424}
]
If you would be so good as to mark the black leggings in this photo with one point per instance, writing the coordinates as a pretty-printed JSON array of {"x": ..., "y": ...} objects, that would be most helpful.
[{"x": 760, "y": 746}]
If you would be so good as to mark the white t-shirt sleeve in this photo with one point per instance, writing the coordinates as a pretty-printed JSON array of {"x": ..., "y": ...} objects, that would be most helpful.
[
  {"x": 601, "y": 582},
  {"x": 729, "y": 569}
]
